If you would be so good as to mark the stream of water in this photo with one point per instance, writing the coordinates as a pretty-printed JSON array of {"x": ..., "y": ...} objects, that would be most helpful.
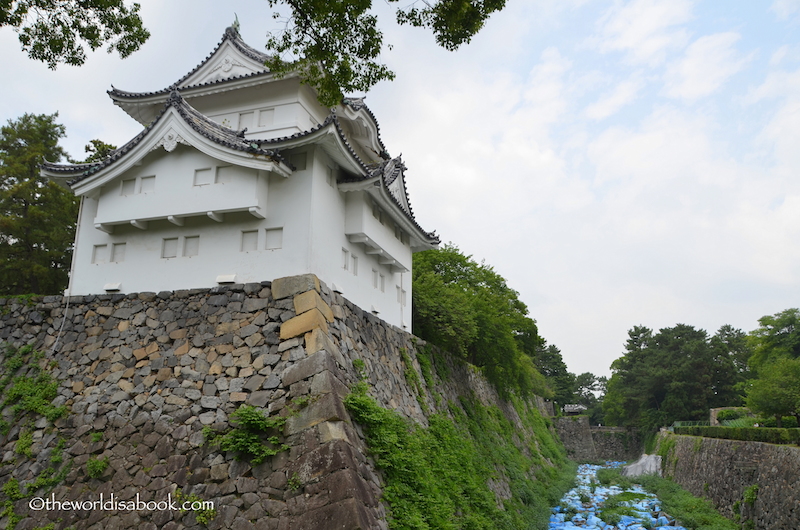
[{"x": 582, "y": 507}]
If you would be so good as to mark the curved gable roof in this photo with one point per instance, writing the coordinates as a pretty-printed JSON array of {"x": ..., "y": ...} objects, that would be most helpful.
[{"x": 224, "y": 137}]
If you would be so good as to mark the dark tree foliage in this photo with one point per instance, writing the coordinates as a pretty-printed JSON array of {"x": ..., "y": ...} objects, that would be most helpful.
[
  {"x": 776, "y": 392},
  {"x": 777, "y": 337},
  {"x": 55, "y": 32},
  {"x": 37, "y": 218},
  {"x": 336, "y": 44},
  {"x": 468, "y": 309},
  {"x": 549, "y": 362},
  {"x": 677, "y": 374}
]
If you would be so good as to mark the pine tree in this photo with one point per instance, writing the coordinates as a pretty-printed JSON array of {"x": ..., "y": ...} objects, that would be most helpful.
[{"x": 37, "y": 217}]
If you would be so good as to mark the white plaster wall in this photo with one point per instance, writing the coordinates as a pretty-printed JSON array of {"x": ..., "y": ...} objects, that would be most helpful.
[
  {"x": 271, "y": 110},
  {"x": 174, "y": 190},
  {"x": 328, "y": 239}
]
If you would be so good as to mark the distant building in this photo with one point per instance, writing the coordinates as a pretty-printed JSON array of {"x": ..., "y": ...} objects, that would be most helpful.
[
  {"x": 238, "y": 177},
  {"x": 574, "y": 409}
]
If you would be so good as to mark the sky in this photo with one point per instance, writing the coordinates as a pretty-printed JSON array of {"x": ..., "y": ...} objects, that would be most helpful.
[{"x": 620, "y": 163}]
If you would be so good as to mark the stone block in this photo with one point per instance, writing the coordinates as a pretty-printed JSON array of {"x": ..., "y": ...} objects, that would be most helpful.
[
  {"x": 331, "y": 430},
  {"x": 291, "y": 285},
  {"x": 328, "y": 408},
  {"x": 347, "y": 484},
  {"x": 348, "y": 514},
  {"x": 308, "y": 367},
  {"x": 309, "y": 300},
  {"x": 304, "y": 323},
  {"x": 317, "y": 340},
  {"x": 238, "y": 397}
]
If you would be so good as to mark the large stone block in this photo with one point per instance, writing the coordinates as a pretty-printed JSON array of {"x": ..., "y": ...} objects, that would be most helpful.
[
  {"x": 308, "y": 367},
  {"x": 317, "y": 340},
  {"x": 304, "y": 323},
  {"x": 328, "y": 408},
  {"x": 324, "y": 460},
  {"x": 291, "y": 285},
  {"x": 309, "y": 300},
  {"x": 349, "y": 514}
]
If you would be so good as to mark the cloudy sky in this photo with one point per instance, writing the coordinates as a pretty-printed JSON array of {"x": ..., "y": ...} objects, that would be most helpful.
[{"x": 619, "y": 162}]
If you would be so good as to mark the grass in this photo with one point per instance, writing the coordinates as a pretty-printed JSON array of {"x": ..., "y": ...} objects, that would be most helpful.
[
  {"x": 692, "y": 512},
  {"x": 437, "y": 477}
]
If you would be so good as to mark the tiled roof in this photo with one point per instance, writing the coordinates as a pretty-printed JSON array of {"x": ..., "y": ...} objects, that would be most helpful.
[
  {"x": 232, "y": 35},
  {"x": 215, "y": 132}
]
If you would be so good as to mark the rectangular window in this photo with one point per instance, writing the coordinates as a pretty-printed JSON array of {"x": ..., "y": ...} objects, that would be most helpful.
[
  {"x": 331, "y": 178},
  {"x": 246, "y": 120},
  {"x": 266, "y": 117},
  {"x": 383, "y": 283},
  {"x": 118, "y": 252},
  {"x": 203, "y": 176},
  {"x": 191, "y": 246},
  {"x": 399, "y": 299},
  {"x": 374, "y": 279},
  {"x": 345, "y": 259},
  {"x": 148, "y": 184},
  {"x": 128, "y": 187},
  {"x": 403, "y": 297},
  {"x": 274, "y": 238},
  {"x": 355, "y": 266},
  {"x": 225, "y": 174},
  {"x": 169, "y": 247},
  {"x": 100, "y": 254},
  {"x": 249, "y": 240}
]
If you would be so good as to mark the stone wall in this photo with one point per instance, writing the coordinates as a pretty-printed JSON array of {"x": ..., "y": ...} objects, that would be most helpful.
[
  {"x": 722, "y": 470},
  {"x": 146, "y": 376},
  {"x": 577, "y": 438},
  {"x": 616, "y": 443},
  {"x": 593, "y": 444}
]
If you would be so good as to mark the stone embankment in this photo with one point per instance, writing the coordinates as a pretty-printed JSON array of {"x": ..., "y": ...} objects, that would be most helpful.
[
  {"x": 593, "y": 444},
  {"x": 751, "y": 481},
  {"x": 145, "y": 377}
]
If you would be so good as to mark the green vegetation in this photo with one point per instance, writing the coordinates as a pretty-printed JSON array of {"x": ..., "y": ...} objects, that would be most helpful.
[
  {"x": 436, "y": 476},
  {"x": 202, "y": 516},
  {"x": 56, "y": 32},
  {"x": 254, "y": 436},
  {"x": 678, "y": 373},
  {"x": 618, "y": 505},
  {"x": 776, "y": 392},
  {"x": 467, "y": 309},
  {"x": 336, "y": 45},
  {"x": 750, "y": 494},
  {"x": 755, "y": 434},
  {"x": 37, "y": 217},
  {"x": 24, "y": 443},
  {"x": 95, "y": 467},
  {"x": 29, "y": 396},
  {"x": 691, "y": 511}
]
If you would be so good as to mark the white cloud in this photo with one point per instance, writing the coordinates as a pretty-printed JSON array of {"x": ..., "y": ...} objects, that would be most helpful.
[
  {"x": 707, "y": 64},
  {"x": 785, "y": 8},
  {"x": 611, "y": 102},
  {"x": 645, "y": 29}
]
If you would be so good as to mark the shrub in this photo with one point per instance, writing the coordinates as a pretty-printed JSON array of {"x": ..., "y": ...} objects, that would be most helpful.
[{"x": 754, "y": 434}]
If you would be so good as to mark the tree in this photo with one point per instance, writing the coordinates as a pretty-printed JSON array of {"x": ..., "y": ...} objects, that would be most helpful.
[
  {"x": 778, "y": 336},
  {"x": 37, "y": 218},
  {"x": 53, "y": 31},
  {"x": 550, "y": 363},
  {"x": 335, "y": 44},
  {"x": 676, "y": 374},
  {"x": 468, "y": 308},
  {"x": 777, "y": 390}
]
